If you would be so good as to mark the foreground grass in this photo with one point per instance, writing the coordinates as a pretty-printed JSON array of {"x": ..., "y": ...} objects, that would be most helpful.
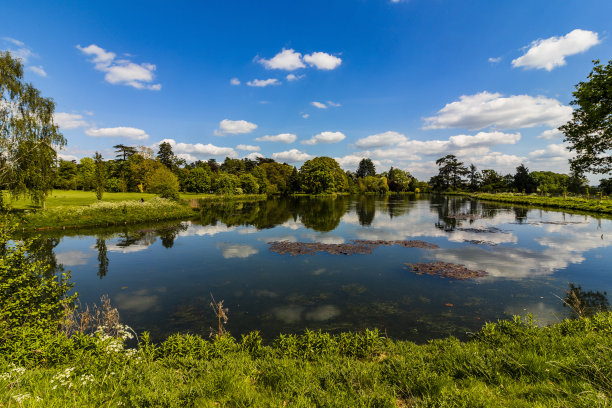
[
  {"x": 507, "y": 364},
  {"x": 60, "y": 198},
  {"x": 570, "y": 203}
]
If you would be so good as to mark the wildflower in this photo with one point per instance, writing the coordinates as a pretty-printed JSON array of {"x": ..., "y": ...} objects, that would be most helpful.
[
  {"x": 21, "y": 397},
  {"x": 86, "y": 379}
]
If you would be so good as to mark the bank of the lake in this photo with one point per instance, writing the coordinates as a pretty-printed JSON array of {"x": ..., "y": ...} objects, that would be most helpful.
[
  {"x": 65, "y": 209},
  {"x": 511, "y": 363},
  {"x": 595, "y": 205}
]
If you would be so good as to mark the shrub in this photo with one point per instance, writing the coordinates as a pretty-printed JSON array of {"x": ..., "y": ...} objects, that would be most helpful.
[{"x": 164, "y": 183}]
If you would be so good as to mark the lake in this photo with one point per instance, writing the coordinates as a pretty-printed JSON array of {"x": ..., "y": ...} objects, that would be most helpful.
[{"x": 161, "y": 276}]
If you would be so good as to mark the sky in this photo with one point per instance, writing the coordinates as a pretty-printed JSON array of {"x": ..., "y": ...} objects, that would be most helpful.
[{"x": 403, "y": 82}]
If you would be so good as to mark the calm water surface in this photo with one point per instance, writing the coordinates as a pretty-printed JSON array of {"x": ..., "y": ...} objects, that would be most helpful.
[{"x": 161, "y": 276}]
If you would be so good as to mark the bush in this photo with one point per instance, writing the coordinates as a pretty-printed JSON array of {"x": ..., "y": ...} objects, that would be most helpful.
[{"x": 164, "y": 183}]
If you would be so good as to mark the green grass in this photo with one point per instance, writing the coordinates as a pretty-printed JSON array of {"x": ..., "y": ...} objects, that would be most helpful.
[
  {"x": 507, "y": 364},
  {"x": 571, "y": 203},
  {"x": 59, "y": 198}
]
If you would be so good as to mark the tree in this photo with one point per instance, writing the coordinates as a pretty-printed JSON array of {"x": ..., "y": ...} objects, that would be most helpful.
[
  {"x": 124, "y": 152},
  {"x": 28, "y": 135},
  {"x": 86, "y": 173},
  {"x": 606, "y": 186},
  {"x": 99, "y": 175},
  {"x": 589, "y": 132},
  {"x": 523, "y": 181},
  {"x": 366, "y": 168},
  {"x": 474, "y": 178},
  {"x": 199, "y": 180},
  {"x": 322, "y": 175},
  {"x": 165, "y": 155},
  {"x": 248, "y": 183},
  {"x": 399, "y": 180},
  {"x": 450, "y": 172},
  {"x": 164, "y": 183}
]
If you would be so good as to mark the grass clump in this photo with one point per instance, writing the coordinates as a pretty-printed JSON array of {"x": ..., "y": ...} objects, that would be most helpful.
[{"x": 508, "y": 363}]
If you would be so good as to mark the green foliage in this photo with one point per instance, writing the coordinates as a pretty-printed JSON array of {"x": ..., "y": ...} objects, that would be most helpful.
[
  {"x": 399, "y": 180},
  {"x": 589, "y": 132},
  {"x": 164, "y": 183},
  {"x": 571, "y": 203},
  {"x": 365, "y": 168},
  {"x": 225, "y": 183},
  {"x": 450, "y": 173},
  {"x": 278, "y": 177},
  {"x": 28, "y": 135},
  {"x": 99, "y": 176},
  {"x": 323, "y": 175},
  {"x": 31, "y": 294},
  {"x": 199, "y": 180},
  {"x": 249, "y": 184},
  {"x": 523, "y": 181},
  {"x": 166, "y": 156}
]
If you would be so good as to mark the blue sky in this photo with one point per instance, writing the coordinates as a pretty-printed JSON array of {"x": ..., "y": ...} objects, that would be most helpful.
[{"x": 401, "y": 82}]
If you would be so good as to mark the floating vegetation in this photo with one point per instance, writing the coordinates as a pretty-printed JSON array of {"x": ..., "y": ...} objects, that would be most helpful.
[
  {"x": 487, "y": 230},
  {"x": 446, "y": 270},
  {"x": 471, "y": 217},
  {"x": 551, "y": 222},
  {"x": 479, "y": 242},
  {"x": 350, "y": 248}
]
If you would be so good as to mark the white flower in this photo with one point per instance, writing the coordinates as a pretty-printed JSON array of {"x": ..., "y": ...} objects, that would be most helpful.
[{"x": 21, "y": 397}]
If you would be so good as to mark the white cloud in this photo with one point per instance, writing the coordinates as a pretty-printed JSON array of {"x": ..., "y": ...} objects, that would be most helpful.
[
  {"x": 495, "y": 60},
  {"x": 291, "y": 156},
  {"x": 73, "y": 258},
  {"x": 484, "y": 139},
  {"x": 552, "y": 151},
  {"x": 493, "y": 109},
  {"x": 260, "y": 83},
  {"x": 253, "y": 156},
  {"x": 351, "y": 161},
  {"x": 38, "y": 70},
  {"x": 322, "y": 60},
  {"x": 325, "y": 137},
  {"x": 235, "y": 81},
  {"x": 199, "y": 149},
  {"x": 305, "y": 115},
  {"x": 14, "y": 41},
  {"x": 282, "y": 138},
  {"x": 235, "y": 127},
  {"x": 121, "y": 71},
  {"x": 551, "y": 52},
  {"x": 287, "y": 60},
  {"x": 333, "y": 104},
  {"x": 381, "y": 139},
  {"x": 67, "y": 157},
  {"x": 551, "y": 134},
  {"x": 121, "y": 131},
  {"x": 248, "y": 148},
  {"x": 318, "y": 105},
  {"x": 293, "y": 77},
  {"x": 69, "y": 120}
]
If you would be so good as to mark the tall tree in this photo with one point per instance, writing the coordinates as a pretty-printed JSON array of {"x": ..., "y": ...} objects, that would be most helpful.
[
  {"x": 474, "y": 177},
  {"x": 165, "y": 155},
  {"x": 451, "y": 171},
  {"x": 124, "y": 152},
  {"x": 589, "y": 132},
  {"x": 523, "y": 181},
  {"x": 28, "y": 135},
  {"x": 99, "y": 180},
  {"x": 366, "y": 168}
]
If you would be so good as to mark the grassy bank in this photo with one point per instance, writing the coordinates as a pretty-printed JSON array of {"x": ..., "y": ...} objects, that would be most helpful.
[
  {"x": 570, "y": 203},
  {"x": 506, "y": 364},
  {"x": 81, "y": 209},
  {"x": 103, "y": 214}
]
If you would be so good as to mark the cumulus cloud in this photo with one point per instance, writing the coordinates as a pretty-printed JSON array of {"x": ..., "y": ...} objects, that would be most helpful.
[
  {"x": 69, "y": 120},
  {"x": 281, "y": 137},
  {"x": 234, "y": 127},
  {"x": 484, "y": 139},
  {"x": 318, "y": 105},
  {"x": 199, "y": 149},
  {"x": 248, "y": 148},
  {"x": 235, "y": 81},
  {"x": 351, "y": 161},
  {"x": 293, "y": 77},
  {"x": 493, "y": 109},
  {"x": 121, "y": 131},
  {"x": 322, "y": 60},
  {"x": 288, "y": 60},
  {"x": 291, "y": 156},
  {"x": 495, "y": 60},
  {"x": 550, "y": 53},
  {"x": 325, "y": 137},
  {"x": 121, "y": 71},
  {"x": 237, "y": 250},
  {"x": 253, "y": 156},
  {"x": 380, "y": 140},
  {"x": 261, "y": 83}
]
